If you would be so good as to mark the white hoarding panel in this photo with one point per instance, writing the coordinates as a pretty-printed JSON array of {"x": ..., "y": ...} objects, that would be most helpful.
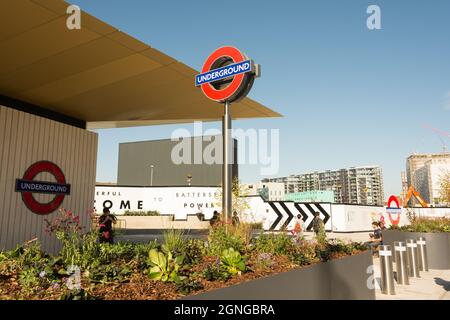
[{"x": 177, "y": 201}]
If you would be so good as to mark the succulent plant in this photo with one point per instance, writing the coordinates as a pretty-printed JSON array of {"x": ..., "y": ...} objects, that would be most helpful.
[
  {"x": 232, "y": 261},
  {"x": 164, "y": 267}
]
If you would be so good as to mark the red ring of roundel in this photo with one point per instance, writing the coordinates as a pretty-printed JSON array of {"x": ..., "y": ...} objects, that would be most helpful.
[
  {"x": 395, "y": 200},
  {"x": 224, "y": 94},
  {"x": 30, "y": 174}
]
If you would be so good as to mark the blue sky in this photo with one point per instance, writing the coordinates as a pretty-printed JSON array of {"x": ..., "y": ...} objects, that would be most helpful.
[{"x": 350, "y": 96}]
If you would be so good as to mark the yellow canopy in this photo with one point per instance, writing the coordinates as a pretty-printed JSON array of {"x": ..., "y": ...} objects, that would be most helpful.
[{"x": 98, "y": 74}]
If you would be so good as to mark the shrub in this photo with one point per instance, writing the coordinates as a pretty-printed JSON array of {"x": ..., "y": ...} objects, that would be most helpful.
[
  {"x": 214, "y": 272},
  {"x": 193, "y": 250},
  {"x": 77, "y": 294},
  {"x": 33, "y": 268},
  {"x": 141, "y": 251},
  {"x": 77, "y": 248},
  {"x": 280, "y": 244},
  {"x": 174, "y": 241},
  {"x": 321, "y": 236},
  {"x": 243, "y": 231},
  {"x": 256, "y": 225},
  {"x": 188, "y": 285},
  {"x": 265, "y": 261},
  {"x": 428, "y": 225},
  {"x": 219, "y": 240},
  {"x": 150, "y": 213},
  {"x": 305, "y": 253},
  {"x": 111, "y": 273}
]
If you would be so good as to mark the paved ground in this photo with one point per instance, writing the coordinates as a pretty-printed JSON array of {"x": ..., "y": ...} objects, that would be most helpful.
[{"x": 432, "y": 285}]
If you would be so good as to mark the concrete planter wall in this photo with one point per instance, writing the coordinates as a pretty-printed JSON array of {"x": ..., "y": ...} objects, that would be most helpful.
[
  {"x": 438, "y": 245},
  {"x": 344, "y": 278}
]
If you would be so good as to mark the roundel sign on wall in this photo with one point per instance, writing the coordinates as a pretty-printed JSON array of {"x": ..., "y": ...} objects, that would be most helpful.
[
  {"x": 29, "y": 186},
  {"x": 227, "y": 75},
  {"x": 393, "y": 210}
]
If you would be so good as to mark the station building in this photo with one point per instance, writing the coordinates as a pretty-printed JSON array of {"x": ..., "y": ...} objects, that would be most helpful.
[
  {"x": 150, "y": 163},
  {"x": 55, "y": 85}
]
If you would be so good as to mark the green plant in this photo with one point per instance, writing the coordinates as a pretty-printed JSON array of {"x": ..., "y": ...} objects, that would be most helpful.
[
  {"x": 29, "y": 265},
  {"x": 188, "y": 285},
  {"x": 239, "y": 201},
  {"x": 77, "y": 294},
  {"x": 264, "y": 261},
  {"x": 164, "y": 267},
  {"x": 256, "y": 225},
  {"x": 111, "y": 273},
  {"x": 173, "y": 241},
  {"x": 149, "y": 213},
  {"x": 243, "y": 231},
  {"x": 219, "y": 239},
  {"x": 77, "y": 248},
  {"x": 304, "y": 253},
  {"x": 194, "y": 250},
  {"x": 428, "y": 225},
  {"x": 280, "y": 244},
  {"x": 29, "y": 279},
  {"x": 141, "y": 251},
  {"x": 321, "y": 235},
  {"x": 232, "y": 262},
  {"x": 214, "y": 272}
]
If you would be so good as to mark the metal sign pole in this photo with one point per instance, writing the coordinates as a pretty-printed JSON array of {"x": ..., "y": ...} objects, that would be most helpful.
[{"x": 226, "y": 170}]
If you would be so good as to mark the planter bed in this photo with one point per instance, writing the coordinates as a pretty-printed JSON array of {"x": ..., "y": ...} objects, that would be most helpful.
[
  {"x": 344, "y": 278},
  {"x": 231, "y": 264},
  {"x": 438, "y": 245}
]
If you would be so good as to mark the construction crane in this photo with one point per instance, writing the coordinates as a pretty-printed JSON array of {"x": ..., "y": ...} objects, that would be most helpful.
[
  {"x": 440, "y": 134},
  {"x": 413, "y": 192}
]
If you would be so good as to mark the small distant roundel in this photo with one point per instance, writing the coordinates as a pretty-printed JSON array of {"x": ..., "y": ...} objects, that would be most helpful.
[
  {"x": 227, "y": 75},
  {"x": 394, "y": 210}
]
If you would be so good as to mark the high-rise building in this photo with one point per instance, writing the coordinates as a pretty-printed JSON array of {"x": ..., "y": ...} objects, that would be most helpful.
[
  {"x": 424, "y": 171},
  {"x": 404, "y": 185},
  {"x": 359, "y": 185},
  {"x": 427, "y": 179}
]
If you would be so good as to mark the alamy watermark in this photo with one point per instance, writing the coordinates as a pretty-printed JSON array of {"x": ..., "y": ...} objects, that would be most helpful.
[
  {"x": 254, "y": 147},
  {"x": 374, "y": 20},
  {"x": 372, "y": 282},
  {"x": 73, "y": 22},
  {"x": 73, "y": 282}
]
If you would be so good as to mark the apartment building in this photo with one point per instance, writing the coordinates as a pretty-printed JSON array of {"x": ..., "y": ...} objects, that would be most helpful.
[
  {"x": 357, "y": 185},
  {"x": 424, "y": 171}
]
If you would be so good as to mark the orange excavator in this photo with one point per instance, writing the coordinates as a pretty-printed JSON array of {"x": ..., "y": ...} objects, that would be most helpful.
[{"x": 413, "y": 192}]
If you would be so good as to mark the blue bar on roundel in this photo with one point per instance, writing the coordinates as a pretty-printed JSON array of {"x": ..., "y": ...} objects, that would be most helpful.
[
  {"x": 223, "y": 72},
  {"x": 42, "y": 187}
]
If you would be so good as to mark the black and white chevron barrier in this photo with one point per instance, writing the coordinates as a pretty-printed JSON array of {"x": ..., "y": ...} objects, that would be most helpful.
[{"x": 281, "y": 215}]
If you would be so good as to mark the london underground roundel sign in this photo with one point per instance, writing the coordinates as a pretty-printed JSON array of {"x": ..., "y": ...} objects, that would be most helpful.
[
  {"x": 29, "y": 186},
  {"x": 394, "y": 210},
  {"x": 227, "y": 75}
]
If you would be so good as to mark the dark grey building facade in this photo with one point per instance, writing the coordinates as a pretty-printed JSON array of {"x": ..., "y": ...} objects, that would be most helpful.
[{"x": 150, "y": 163}]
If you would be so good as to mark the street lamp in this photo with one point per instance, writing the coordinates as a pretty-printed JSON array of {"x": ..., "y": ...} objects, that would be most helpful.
[
  {"x": 151, "y": 174},
  {"x": 189, "y": 179}
]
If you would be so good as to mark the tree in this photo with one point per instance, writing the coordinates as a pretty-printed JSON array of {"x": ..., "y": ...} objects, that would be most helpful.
[{"x": 239, "y": 202}]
